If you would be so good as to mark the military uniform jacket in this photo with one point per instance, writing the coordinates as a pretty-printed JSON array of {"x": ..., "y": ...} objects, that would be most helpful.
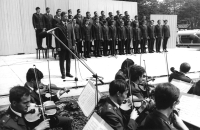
[
  {"x": 87, "y": 33},
  {"x": 11, "y": 121},
  {"x": 77, "y": 31},
  {"x": 48, "y": 19},
  {"x": 121, "y": 33},
  {"x": 137, "y": 34},
  {"x": 68, "y": 37},
  {"x": 120, "y": 75},
  {"x": 166, "y": 31},
  {"x": 90, "y": 21},
  {"x": 79, "y": 20},
  {"x": 179, "y": 76},
  {"x": 151, "y": 31},
  {"x": 56, "y": 20},
  {"x": 97, "y": 31},
  {"x": 113, "y": 32},
  {"x": 129, "y": 32},
  {"x": 38, "y": 21},
  {"x": 105, "y": 31},
  {"x": 158, "y": 31},
  {"x": 113, "y": 116},
  {"x": 144, "y": 31}
]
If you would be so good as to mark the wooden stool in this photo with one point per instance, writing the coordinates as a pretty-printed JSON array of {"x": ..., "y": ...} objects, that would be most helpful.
[{"x": 44, "y": 51}]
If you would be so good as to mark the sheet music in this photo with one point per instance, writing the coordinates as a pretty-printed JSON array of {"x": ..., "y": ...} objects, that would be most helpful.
[
  {"x": 96, "y": 123},
  {"x": 87, "y": 99},
  {"x": 189, "y": 109},
  {"x": 184, "y": 87}
]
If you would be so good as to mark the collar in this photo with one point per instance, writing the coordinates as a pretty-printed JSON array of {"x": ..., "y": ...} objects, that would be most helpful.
[
  {"x": 117, "y": 105},
  {"x": 17, "y": 113},
  {"x": 160, "y": 115},
  {"x": 30, "y": 87}
]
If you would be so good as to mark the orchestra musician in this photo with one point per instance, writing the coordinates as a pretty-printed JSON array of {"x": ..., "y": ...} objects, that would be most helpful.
[
  {"x": 110, "y": 110},
  {"x": 166, "y": 98}
]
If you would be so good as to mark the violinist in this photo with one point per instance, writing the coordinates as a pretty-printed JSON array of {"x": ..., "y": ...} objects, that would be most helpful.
[
  {"x": 123, "y": 72},
  {"x": 14, "y": 117}
]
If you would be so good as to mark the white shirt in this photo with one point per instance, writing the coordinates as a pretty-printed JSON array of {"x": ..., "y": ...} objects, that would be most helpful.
[{"x": 17, "y": 113}]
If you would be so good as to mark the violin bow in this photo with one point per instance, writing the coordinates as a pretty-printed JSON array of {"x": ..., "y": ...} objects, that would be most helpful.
[
  {"x": 43, "y": 110},
  {"x": 166, "y": 62},
  {"x": 49, "y": 86},
  {"x": 146, "y": 77}
]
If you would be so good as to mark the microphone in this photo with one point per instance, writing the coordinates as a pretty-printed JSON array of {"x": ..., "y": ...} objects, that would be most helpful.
[{"x": 44, "y": 34}]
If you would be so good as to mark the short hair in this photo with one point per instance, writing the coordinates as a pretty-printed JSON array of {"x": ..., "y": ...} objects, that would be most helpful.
[
  {"x": 63, "y": 13},
  {"x": 118, "y": 85},
  {"x": 165, "y": 20},
  {"x": 58, "y": 10},
  {"x": 110, "y": 13},
  {"x": 17, "y": 92},
  {"x": 165, "y": 95},
  {"x": 69, "y": 10},
  {"x": 37, "y": 8},
  {"x": 117, "y": 11},
  {"x": 158, "y": 21},
  {"x": 78, "y": 10},
  {"x": 47, "y": 8},
  {"x": 185, "y": 67},
  {"x": 30, "y": 75},
  {"x": 102, "y": 11},
  {"x": 135, "y": 72},
  {"x": 87, "y": 12},
  {"x": 127, "y": 63},
  {"x": 136, "y": 16},
  {"x": 95, "y": 11}
]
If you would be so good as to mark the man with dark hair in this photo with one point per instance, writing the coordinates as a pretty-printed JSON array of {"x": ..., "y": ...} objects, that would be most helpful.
[
  {"x": 166, "y": 98},
  {"x": 69, "y": 12},
  {"x": 158, "y": 33},
  {"x": 19, "y": 102},
  {"x": 113, "y": 37},
  {"x": 95, "y": 15},
  {"x": 135, "y": 21},
  {"x": 121, "y": 36},
  {"x": 106, "y": 38},
  {"x": 110, "y": 110},
  {"x": 123, "y": 72},
  {"x": 88, "y": 17},
  {"x": 66, "y": 35},
  {"x": 143, "y": 28},
  {"x": 109, "y": 16},
  {"x": 101, "y": 17},
  {"x": 79, "y": 18},
  {"x": 137, "y": 34},
  {"x": 129, "y": 33},
  {"x": 39, "y": 26},
  {"x": 151, "y": 35},
  {"x": 116, "y": 17},
  {"x": 166, "y": 35},
  {"x": 48, "y": 19},
  {"x": 78, "y": 37}
]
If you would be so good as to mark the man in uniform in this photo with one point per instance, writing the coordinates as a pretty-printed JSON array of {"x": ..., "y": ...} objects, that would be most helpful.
[
  {"x": 48, "y": 18},
  {"x": 151, "y": 35},
  {"x": 135, "y": 21},
  {"x": 117, "y": 16},
  {"x": 78, "y": 37},
  {"x": 166, "y": 35},
  {"x": 158, "y": 33},
  {"x": 113, "y": 37},
  {"x": 137, "y": 34},
  {"x": 121, "y": 35},
  {"x": 39, "y": 26},
  {"x": 129, "y": 33},
  {"x": 102, "y": 15},
  {"x": 106, "y": 38},
  {"x": 68, "y": 39},
  {"x": 143, "y": 28}
]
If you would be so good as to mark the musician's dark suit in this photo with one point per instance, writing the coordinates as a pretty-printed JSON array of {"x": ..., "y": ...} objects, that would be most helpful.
[
  {"x": 121, "y": 35},
  {"x": 129, "y": 33},
  {"x": 79, "y": 20},
  {"x": 48, "y": 19},
  {"x": 113, "y": 116},
  {"x": 151, "y": 34},
  {"x": 87, "y": 37},
  {"x": 116, "y": 17},
  {"x": 68, "y": 39},
  {"x": 78, "y": 37},
  {"x": 134, "y": 23},
  {"x": 113, "y": 36},
  {"x": 39, "y": 24},
  {"x": 166, "y": 35},
  {"x": 158, "y": 33},
  {"x": 144, "y": 38},
  {"x": 106, "y": 37},
  {"x": 137, "y": 34},
  {"x": 120, "y": 75},
  {"x": 97, "y": 36},
  {"x": 56, "y": 20}
]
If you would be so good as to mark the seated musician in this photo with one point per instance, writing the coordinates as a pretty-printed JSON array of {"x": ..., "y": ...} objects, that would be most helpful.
[
  {"x": 123, "y": 72},
  {"x": 163, "y": 118},
  {"x": 14, "y": 119},
  {"x": 110, "y": 110},
  {"x": 31, "y": 85}
]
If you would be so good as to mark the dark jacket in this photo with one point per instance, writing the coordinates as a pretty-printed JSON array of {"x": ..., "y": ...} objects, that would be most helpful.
[
  {"x": 87, "y": 33},
  {"x": 56, "y": 20},
  {"x": 68, "y": 37},
  {"x": 179, "y": 76},
  {"x": 38, "y": 21},
  {"x": 79, "y": 20},
  {"x": 120, "y": 75},
  {"x": 129, "y": 32},
  {"x": 151, "y": 31},
  {"x": 97, "y": 31},
  {"x": 113, "y": 32},
  {"x": 77, "y": 32},
  {"x": 157, "y": 121},
  {"x": 48, "y": 19},
  {"x": 158, "y": 31},
  {"x": 144, "y": 31},
  {"x": 11, "y": 121},
  {"x": 105, "y": 31},
  {"x": 137, "y": 34},
  {"x": 113, "y": 116},
  {"x": 121, "y": 33},
  {"x": 166, "y": 31}
]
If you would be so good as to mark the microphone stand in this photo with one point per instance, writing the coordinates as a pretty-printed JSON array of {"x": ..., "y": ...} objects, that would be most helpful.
[
  {"x": 93, "y": 73},
  {"x": 49, "y": 81}
]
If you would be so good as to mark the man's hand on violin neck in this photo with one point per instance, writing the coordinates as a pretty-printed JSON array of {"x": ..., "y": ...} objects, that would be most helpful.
[{"x": 43, "y": 125}]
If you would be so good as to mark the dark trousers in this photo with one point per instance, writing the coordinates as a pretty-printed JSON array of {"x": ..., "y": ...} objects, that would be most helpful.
[
  {"x": 151, "y": 44},
  {"x": 121, "y": 46},
  {"x": 136, "y": 44},
  {"x": 105, "y": 47},
  {"x": 87, "y": 48},
  {"x": 49, "y": 40},
  {"x": 97, "y": 48},
  {"x": 65, "y": 55},
  {"x": 38, "y": 38},
  {"x": 79, "y": 46},
  {"x": 112, "y": 46},
  {"x": 158, "y": 43},
  {"x": 143, "y": 43},
  {"x": 165, "y": 43},
  {"x": 58, "y": 121},
  {"x": 127, "y": 46}
]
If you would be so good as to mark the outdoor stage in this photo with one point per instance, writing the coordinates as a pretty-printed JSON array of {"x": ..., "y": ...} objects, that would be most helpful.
[{"x": 13, "y": 68}]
